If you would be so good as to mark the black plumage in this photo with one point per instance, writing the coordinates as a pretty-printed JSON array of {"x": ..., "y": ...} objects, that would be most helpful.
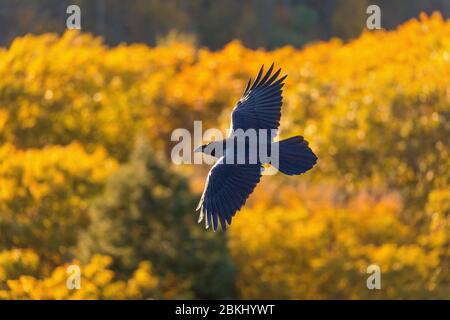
[{"x": 229, "y": 185}]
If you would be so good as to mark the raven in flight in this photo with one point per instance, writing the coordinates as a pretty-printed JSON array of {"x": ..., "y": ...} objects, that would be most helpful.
[{"x": 229, "y": 184}]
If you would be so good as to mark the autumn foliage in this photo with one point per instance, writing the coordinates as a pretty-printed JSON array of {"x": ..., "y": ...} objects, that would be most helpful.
[{"x": 376, "y": 111}]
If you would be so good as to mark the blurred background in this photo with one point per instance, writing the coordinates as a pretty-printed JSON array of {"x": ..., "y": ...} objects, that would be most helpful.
[
  {"x": 257, "y": 23},
  {"x": 86, "y": 177}
]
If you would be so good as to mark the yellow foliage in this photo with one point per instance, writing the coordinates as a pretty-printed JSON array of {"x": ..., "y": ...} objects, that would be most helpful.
[
  {"x": 16, "y": 262},
  {"x": 96, "y": 282},
  {"x": 317, "y": 247},
  {"x": 44, "y": 195},
  {"x": 61, "y": 89}
]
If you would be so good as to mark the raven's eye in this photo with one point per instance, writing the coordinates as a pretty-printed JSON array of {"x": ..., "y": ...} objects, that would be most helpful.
[{"x": 208, "y": 149}]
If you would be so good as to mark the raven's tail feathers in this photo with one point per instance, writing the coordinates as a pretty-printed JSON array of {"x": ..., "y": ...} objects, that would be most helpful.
[{"x": 295, "y": 157}]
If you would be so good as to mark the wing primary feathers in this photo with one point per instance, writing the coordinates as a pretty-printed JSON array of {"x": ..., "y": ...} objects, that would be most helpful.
[
  {"x": 279, "y": 81},
  {"x": 206, "y": 218},
  {"x": 200, "y": 203},
  {"x": 223, "y": 224},
  {"x": 274, "y": 77},
  {"x": 212, "y": 214},
  {"x": 218, "y": 209},
  {"x": 210, "y": 217},
  {"x": 258, "y": 77},
  {"x": 247, "y": 87},
  {"x": 223, "y": 211},
  {"x": 269, "y": 72},
  {"x": 227, "y": 205},
  {"x": 214, "y": 217},
  {"x": 201, "y": 216}
]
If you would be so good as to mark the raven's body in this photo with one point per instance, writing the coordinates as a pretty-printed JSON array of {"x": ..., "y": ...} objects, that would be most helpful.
[
  {"x": 240, "y": 160},
  {"x": 241, "y": 150}
]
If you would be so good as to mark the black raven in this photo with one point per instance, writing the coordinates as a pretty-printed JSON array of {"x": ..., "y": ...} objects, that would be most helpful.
[{"x": 230, "y": 183}]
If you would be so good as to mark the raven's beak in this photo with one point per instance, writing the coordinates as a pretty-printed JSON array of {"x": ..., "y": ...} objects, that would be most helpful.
[{"x": 198, "y": 149}]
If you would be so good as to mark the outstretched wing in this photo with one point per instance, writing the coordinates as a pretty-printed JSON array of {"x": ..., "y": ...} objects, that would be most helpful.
[
  {"x": 226, "y": 190},
  {"x": 260, "y": 104}
]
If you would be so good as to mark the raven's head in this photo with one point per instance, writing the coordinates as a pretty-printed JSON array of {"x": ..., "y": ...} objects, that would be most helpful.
[
  {"x": 206, "y": 148},
  {"x": 201, "y": 148},
  {"x": 211, "y": 148}
]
